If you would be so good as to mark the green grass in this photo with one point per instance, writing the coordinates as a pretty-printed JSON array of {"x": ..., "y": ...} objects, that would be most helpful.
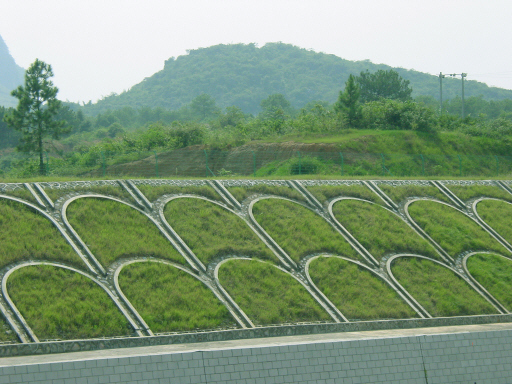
[
  {"x": 451, "y": 229},
  {"x": 299, "y": 231},
  {"x": 170, "y": 300},
  {"x": 471, "y": 191},
  {"x": 494, "y": 273},
  {"x": 498, "y": 215},
  {"x": 107, "y": 189},
  {"x": 152, "y": 193},
  {"x": 62, "y": 304},
  {"x": 241, "y": 193},
  {"x": 21, "y": 193},
  {"x": 113, "y": 230},
  {"x": 356, "y": 292},
  {"x": 211, "y": 231},
  {"x": 400, "y": 193},
  {"x": 327, "y": 192},
  {"x": 28, "y": 235},
  {"x": 439, "y": 290},
  {"x": 7, "y": 335},
  {"x": 268, "y": 295},
  {"x": 380, "y": 231}
]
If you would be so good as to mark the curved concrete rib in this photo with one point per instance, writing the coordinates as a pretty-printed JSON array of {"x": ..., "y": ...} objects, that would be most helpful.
[
  {"x": 332, "y": 312},
  {"x": 488, "y": 298},
  {"x": 136, "y": 313},
  {"x": 404, "y": 297},
  {"x": 480, "y": 286},
  {"x": 22, "y": 320},
  {"x": 487, "y": 227},
  {"x": 86, "y": 248},
  {"x": 59, "y": 228}
]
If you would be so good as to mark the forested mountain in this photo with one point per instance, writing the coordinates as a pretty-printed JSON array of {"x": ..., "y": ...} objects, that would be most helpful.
[
  {"x": 11, "y": 75},
  {"x": 243, "y": 75}
]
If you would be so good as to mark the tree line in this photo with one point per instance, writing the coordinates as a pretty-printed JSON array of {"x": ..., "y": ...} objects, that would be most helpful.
[{"x": 379, "y": 100}]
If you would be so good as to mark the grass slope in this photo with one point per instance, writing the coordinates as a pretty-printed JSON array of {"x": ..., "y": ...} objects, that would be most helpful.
[
  {"x": 62, "y": 304},
  {"x": 327, "y": 192},
  {"x": 21, "y": 193},
  {"x": 268, "y": 295},
  {"x": 356, "y": 292},
  {"x": 172, "y": 300},
  {"x": 7, "y": 335},
  {"x": 498, "y": 215},
  {"x": 451, "y": 229},
  {"x": 113, "y": 230},
  {"x": 299, "y": 231},
  {"x": 380, "y": 231},
  {"x": 28, "y": 235},
  {"x": 495, "y": 274},
  {"x": 439, "y": 290},
  {"x": 211, "y": 231}
]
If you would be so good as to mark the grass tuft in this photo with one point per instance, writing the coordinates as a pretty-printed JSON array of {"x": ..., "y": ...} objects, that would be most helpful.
[
  {"x": 113, "y": 230},
  {"x": 171, "y": 300},
  {"x": 212, "y": 231},
  {"x": 451, "y": 229},
  {"x": 61, "y": 304},
  {"x": 299, "y": 231},
  {"x": 356, "y": 292},
  {"x": 268, "y": 295},
  {"x": 439, "y": 290},
  {"x": 380, "y": 231}
]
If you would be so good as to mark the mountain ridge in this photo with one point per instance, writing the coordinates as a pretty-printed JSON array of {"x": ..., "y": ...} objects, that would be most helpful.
[
  {"x": 11, "y": 76},
  {"x": 243, "y": 75}
]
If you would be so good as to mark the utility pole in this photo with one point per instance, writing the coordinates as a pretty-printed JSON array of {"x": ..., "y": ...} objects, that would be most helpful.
[
  {"x": 441, "y": 77},
  {"x": 463, "y": 75}
]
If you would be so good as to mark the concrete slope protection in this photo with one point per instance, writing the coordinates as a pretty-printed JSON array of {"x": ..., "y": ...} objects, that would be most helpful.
[{"x": 116, "y": 263}]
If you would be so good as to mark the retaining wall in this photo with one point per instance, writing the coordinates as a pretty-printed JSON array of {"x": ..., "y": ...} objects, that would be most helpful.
[{"x": 476, "y": 356}]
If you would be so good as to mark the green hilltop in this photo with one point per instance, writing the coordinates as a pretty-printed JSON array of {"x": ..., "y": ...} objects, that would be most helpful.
[{"x": 244, "y": 74}]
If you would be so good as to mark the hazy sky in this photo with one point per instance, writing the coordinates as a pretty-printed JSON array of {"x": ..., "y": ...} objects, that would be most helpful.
[{"x": 97, "y": 47}]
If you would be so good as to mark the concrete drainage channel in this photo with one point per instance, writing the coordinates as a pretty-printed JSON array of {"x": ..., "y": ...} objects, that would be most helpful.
[{"x": 55, "y": 211}]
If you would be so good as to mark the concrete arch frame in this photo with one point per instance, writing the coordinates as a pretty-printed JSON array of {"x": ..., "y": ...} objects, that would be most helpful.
[
  {"x": 486, "y": 226},
  {"x": 22, "y": 320},
  {"x": 99, "y": 267},
  {"x": 475, "y": 281},
  {"x": 452, "y": 259},
  {"x": 334, "y": 316},
  {"x": 409, "y": 301},
  {"x": 202, "y": 279},
  {"x": 489, "y": 299}
]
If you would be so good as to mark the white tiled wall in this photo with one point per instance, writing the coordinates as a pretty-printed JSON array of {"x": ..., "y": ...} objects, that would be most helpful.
[{"x": 472, "y": 357}]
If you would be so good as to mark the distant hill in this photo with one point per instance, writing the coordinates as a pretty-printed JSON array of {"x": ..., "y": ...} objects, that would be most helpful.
[
  {"x": 11, "y": 75},
  {"x": 243, "y": 75}
]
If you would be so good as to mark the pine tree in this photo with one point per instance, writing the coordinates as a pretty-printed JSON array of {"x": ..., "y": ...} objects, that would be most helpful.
[
  {"x": 348, "y": 103},
  {"x": 35, "y": 114}
]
